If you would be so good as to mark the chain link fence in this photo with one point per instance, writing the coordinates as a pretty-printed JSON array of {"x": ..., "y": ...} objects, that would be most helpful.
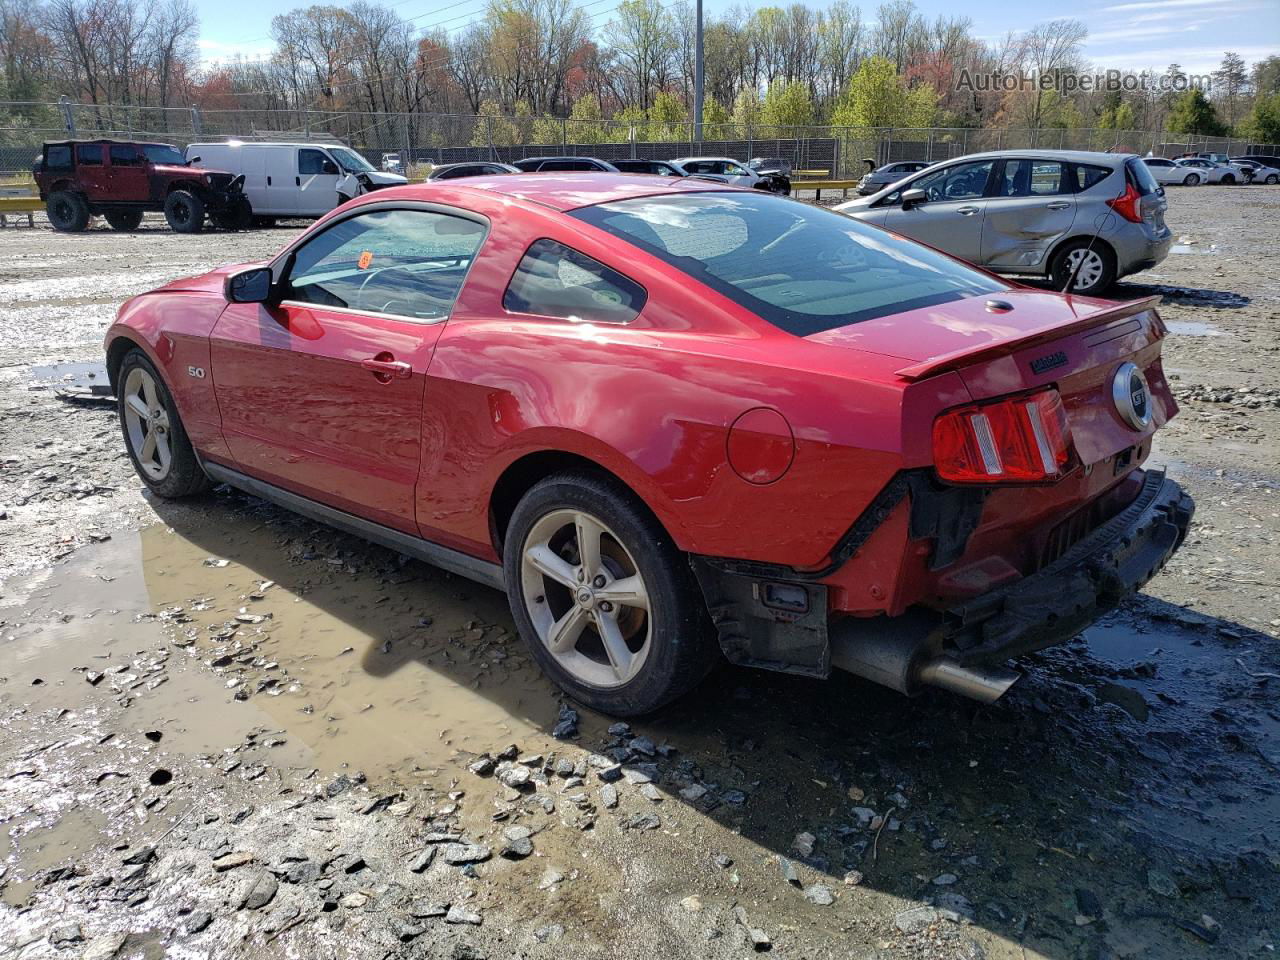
[{"x": 417, "y": 138}]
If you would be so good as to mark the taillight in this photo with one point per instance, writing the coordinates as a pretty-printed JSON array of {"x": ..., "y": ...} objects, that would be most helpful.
[
  {"x": 1127, "y": 204},
  {"x": 1022, "y": 439}
]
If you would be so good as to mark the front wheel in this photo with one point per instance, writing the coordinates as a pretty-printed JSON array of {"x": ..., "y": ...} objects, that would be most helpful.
[
  {"x": 1094, "y": 267},
  {"x": 606, "y": 602},
  {"x": 125, "y": 221},
  {"x": 1272, "y": 179},
  {"x": 1191, "y": 180},
  {"x": 153, "y": 432},
  {"x": 1229, "y": 180},
  {"x": 184, "y": 211}
]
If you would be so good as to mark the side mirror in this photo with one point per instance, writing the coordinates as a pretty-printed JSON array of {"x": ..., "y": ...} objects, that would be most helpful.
[
  {"x": 193, "y": 160},
  {"x": 913, "y": 198},
  {"x": 329, "y": 167},
  {"x": 250, "y": 286}
]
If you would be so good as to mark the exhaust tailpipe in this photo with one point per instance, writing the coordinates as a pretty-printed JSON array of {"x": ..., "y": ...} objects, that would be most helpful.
[{"x": 897, "y": 652}]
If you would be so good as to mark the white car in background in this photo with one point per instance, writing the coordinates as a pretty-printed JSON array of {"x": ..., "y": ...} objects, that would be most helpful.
[
  {"x": 1166, "y": 171},
  {"x": 728, "y": 170},
  {"x": 1257, "y": 172},
  {"x": 1210, "y": 171}
]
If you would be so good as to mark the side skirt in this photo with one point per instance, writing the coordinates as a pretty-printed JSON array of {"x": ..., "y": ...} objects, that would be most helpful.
[{"x": 455, "y": 561}]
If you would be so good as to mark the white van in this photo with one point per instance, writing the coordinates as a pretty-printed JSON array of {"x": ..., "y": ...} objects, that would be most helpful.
[{"x": 294, "y": 179}]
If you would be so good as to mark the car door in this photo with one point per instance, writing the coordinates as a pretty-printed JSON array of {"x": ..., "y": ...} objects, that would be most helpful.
[
  {"x": 128, "y": 171},
  {"x": 1163, "y": 170},
  {"x": 316, "y": 182},
  {"x": 736, "y": 173},
  {"x": 322, "y": 392},
  {"x": 92, "y": 171},
  {"x": 950, "y": 218},
  {"x": 1031, "y": 207}
]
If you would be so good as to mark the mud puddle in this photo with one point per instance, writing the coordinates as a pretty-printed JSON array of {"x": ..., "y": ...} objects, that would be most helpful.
[{"x": 1192, "y": 328}]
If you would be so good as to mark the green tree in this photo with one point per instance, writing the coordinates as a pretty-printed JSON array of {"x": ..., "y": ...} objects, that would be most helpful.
[
  {"x": 667, "y": 118},
  {"x": 1266, "y": 76},
  {"x": 787, "y": 104},
  {"x": 590, "y": 128},
  {"x": 549, "y": 130},
  {"x": 491, "y": 123},
  {"x": 1263, "y": 124},
  {"x": 1193, "y": 113},
  {"x": 746, "y": 111},
  {"x": 714, "y": 119},
  {"x": 878, "y": 97}
]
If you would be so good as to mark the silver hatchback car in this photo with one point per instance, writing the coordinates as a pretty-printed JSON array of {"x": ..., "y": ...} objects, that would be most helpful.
[{"x": 1051, "y": 213}]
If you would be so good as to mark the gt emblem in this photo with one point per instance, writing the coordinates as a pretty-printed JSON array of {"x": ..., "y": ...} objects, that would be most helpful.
[
  {"x": 1130, "y": 395},
  {"x": 197, "y": 372}
]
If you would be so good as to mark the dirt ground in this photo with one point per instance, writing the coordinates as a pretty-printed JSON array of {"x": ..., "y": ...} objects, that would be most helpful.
[{"x": 230, "y": 732}]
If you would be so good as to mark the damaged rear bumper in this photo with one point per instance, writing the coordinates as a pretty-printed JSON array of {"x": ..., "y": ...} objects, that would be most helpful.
[{"x": 959, "y": 648}]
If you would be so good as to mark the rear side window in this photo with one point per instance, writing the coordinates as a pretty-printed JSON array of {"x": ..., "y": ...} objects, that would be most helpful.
[
  {"x": 58, "y": 158},
  {"x": 1032, "y": 178},
  {"x": 556, "y": 281},
  {"x": 410, "y": 263},
  {"x": 89, "y": 154},
  {"x": 1087, "y": 175},
  {"x": 566, "y": 165}
]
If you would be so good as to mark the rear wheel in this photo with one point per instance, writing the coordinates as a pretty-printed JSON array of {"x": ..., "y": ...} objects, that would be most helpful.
[
  {"x": 67, "y": 211},
  {"x": 1094, "y": 267},
  {"x": 124, "y": 220},
  {"x": 184, "y": 211},
  {"x": 153, "y": 432},
  {"x": 606, "y": 602},
  {"x": 1191, "y": 179},
  {"x": 1272, "y": 179}
]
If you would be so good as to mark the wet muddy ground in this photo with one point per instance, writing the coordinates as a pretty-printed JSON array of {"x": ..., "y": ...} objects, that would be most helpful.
[{"x": 228, "y": 731}]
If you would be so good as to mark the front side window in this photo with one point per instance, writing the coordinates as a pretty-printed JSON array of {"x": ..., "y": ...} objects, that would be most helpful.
[
  {"x": 553, "y": 280},
  {"x": 410, "y": 263},
  {"x": 733, "y": 170},
  {"x": 89, "y": 154},
  {"x": 804, "y": 269},
  {"x": 312, "y": 162},
  {"x": 964, "y": 181},
  {"x": 163, "y": 153}
]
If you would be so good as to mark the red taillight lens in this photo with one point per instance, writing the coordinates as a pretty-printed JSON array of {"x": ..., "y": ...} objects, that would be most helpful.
[
  {"x": 1017, "y": 440},
  {"x": 1127, "y": 204}
]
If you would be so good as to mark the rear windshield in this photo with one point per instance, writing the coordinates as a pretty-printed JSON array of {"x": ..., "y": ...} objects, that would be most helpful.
[
  {"x": 1141, "y": 177},
  {"x": 804, "y": 269}
]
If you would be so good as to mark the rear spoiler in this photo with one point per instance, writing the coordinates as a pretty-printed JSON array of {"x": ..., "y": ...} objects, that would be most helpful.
[{"x": 1003, "y": 347}]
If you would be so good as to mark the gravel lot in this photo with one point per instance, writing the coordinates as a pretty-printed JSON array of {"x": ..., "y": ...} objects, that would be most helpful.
[{"x": 229, "y": 732}]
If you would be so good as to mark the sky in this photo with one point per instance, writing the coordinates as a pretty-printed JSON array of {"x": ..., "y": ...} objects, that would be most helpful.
[{"x": 1123, "y": 34}]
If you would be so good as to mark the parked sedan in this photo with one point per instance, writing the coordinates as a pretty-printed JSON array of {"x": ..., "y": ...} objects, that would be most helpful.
[
  {"x": 1167, "y": 171},
  {"x": 1068, "y": 216},
  {"x": 875, "y": 180},
  {"x": 452, "y": 171},
  {"x": 654, "y": 168},
  {"x": 1255, "y": 172},
  {"x": 563, "y": 164},
  {"x": 734, "y": 173},
  {"x": 675, "y": 420},
  {"x": 1210, "y": 171}
]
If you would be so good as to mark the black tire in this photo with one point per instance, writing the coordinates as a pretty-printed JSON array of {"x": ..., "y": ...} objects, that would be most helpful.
[
  {"x": 185, "y": 477},
  {"x": 1229, "y": 179},
  {"x": 265, "y": 223},
  {"x": 67, "y": 211},
  {"x": 1060, "y": 273},
  {"x": 237, "y": 216},
  {"x": 1191, "y": 180},
  {"x": 682, "y": 646},
  {"x": 125, "y": 221},
  {"x": 184, "y": 211},
  {"x": 1272, "y": 180}
]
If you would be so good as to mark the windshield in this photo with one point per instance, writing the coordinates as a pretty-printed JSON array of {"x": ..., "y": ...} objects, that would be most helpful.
[
  {"x": 163, "y": 153},
  {"x": 350, "y": 161},
  {"x": 804, "y": 269}
]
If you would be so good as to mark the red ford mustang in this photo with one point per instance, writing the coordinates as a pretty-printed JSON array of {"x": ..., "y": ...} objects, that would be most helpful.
[{"x": 665, "y": 414}]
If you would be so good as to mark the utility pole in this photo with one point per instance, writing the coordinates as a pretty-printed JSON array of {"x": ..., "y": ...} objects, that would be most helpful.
[{"x": 697, "y": 79}]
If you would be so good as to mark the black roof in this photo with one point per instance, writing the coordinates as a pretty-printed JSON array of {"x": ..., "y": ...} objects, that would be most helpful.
[{"x": 68, "y": 143}]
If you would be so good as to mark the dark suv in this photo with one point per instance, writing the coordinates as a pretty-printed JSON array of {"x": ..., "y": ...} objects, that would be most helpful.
[{"x": 122, "y": 179}]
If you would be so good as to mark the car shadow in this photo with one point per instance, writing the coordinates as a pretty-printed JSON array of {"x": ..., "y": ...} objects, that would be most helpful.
[
  {"x": 1170, "y": 293},
  {"x": 1051, "y": 818}
]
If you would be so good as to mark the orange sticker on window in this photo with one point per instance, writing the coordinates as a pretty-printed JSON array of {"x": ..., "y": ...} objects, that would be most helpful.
[{"x": 366, "y": 258}]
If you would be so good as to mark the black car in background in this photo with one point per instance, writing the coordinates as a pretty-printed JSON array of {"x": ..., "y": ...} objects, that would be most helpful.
[
  {"x": 452, "y": 171},
  {"x": 554, "y": 164}
]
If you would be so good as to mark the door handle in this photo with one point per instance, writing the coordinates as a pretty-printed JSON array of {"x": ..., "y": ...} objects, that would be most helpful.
[
  {"x": 1058, "y": 205},
  {"x": 268, "y": 181},
  {"x": 966, "y": 211},
  {"x": 386, "y": 369},
  {"x": 297, "y": 181}
]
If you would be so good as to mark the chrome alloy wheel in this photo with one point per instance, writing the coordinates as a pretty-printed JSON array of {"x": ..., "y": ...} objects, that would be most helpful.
[
  {"x": 586, "y": 598},
  {"x": 1090, "y": 271},
  {"x": 147, "y": 423}
]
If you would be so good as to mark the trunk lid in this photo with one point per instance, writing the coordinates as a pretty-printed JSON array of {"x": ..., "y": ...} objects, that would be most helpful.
[{"x": 1074, "y": 344}]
